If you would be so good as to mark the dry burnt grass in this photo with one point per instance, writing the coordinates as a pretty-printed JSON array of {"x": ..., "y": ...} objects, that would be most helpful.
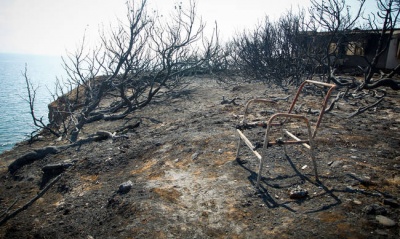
[{"x": 187, "y": 183}]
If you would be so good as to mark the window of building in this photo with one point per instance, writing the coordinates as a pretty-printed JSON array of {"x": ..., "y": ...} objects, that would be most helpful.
[
  {"x": 333, "y": 48},
  {"x": 355, "y": 49}
]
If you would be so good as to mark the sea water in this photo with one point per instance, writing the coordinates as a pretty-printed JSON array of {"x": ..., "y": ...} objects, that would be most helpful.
[{"x": 16, "y": 123}]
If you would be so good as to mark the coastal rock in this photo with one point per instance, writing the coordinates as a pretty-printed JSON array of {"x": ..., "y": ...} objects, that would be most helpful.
[
  {"x": 56, "y": 168},
  {"x": 31, "y": 157}
]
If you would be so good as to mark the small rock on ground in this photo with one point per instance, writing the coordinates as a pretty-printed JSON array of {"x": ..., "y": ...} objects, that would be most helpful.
[
  {"x": 298, "y": 193},
  {"x": 125, "y": 187},
  {"x": 385, "y": 221},
  {"x": 374, "y": 209},
  {"x": 391, "y": 202}
]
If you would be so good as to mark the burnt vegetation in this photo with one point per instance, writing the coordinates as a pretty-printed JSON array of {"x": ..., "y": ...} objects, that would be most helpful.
[
  {"x": 148, "y": 52},
  {"x": 133, "y": 62}
]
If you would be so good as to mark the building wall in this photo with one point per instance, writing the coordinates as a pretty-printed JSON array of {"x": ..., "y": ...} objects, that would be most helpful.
[
  {"x": 354, "y": 49},
  {"x": 388, "y": 60},
  {"x": 393, "y": 57}
]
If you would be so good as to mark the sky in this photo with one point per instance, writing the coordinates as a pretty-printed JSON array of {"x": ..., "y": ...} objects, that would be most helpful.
[{"x": 54, "y": 27}]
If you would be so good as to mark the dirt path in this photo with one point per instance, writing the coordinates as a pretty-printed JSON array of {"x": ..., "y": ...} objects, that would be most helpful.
[{"x": 186, "y": 182}]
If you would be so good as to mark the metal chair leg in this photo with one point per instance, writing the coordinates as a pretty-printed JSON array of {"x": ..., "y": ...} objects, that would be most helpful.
[
  {"x": 264, "y": 154},
  {"x": 312, "y": 155}
]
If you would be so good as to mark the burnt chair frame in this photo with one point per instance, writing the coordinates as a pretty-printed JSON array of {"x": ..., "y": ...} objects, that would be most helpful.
[{"x": 273, "y": 122}]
